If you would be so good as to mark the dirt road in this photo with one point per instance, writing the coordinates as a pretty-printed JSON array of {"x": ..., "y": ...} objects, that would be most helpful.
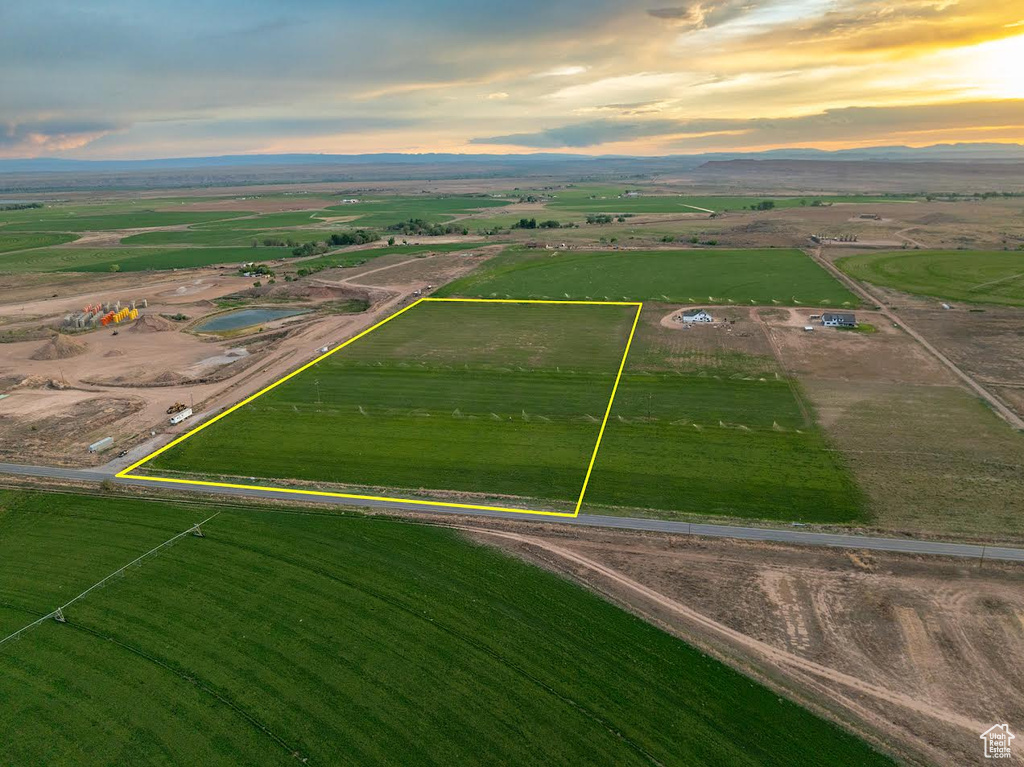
[
  {"x": 997, "y": 404},
  {"x": 902, "y": 650}
]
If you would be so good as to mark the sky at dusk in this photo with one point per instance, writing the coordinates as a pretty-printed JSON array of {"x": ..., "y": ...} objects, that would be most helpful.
[{"x": 117, "y": 79}]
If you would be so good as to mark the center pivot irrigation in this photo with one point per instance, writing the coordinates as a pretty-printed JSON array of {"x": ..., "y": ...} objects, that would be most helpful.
[{"x": 195, "y": 530}]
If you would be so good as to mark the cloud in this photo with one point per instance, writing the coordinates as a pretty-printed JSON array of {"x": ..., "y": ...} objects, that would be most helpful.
[
  {"x": 145, "y": 76},
  {"x": 41, "y": 137},
  {"x": 566, "y": 71},
  {"x": 831, "y": 125},
  {"x": 853, "y": 32},
  {"x": 700, "y": 15}
]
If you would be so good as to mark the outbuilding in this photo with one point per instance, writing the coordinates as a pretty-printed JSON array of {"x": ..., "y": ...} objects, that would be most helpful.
[
  {"x": 839, "y": 320},
  {"x": 697, "y": 315}
]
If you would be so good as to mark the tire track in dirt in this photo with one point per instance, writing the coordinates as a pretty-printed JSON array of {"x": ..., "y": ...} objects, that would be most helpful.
[{"x": 786, "y": 660}]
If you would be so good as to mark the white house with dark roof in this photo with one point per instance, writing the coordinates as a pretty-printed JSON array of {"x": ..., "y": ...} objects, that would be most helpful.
[
  {"x": 839, "y": 320},
  {"x": 697, "y": 315}
]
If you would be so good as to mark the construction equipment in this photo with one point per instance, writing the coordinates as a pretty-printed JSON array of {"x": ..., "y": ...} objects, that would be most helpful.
[{"x": 177, "y": 407}]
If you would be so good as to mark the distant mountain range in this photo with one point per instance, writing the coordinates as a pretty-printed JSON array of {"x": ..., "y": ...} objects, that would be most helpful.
[{"x": 975, "y": 152}]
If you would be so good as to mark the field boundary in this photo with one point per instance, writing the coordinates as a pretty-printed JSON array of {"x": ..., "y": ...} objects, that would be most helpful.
[{"x": 126, "y": 473}]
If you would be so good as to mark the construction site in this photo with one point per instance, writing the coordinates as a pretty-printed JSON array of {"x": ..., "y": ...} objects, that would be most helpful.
[{"x": 112, "y": 368}]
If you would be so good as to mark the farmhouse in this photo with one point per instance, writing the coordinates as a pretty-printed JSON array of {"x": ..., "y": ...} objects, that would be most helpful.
[
  {"x": 697, "y": 315},
  {"x": 839, "y": 320}
]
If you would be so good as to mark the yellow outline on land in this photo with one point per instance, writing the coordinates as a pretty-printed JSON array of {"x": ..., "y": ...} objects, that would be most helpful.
[{"x": 126, "y": 473}]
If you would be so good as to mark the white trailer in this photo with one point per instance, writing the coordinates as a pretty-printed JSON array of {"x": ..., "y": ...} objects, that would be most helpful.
[
  {"x": 181, "y": 416},
  {"x": 103, "y": 444}
]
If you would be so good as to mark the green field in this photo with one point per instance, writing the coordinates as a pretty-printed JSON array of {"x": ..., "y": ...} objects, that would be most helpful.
[
  {"x": 974, "y": 276},
  {"x": 132, "y": 259},
  {"x": 472, "y": 397},
  {"x": 384, "y": 211},
  {"x": 716, "y": 434},
  {"x": 214, "y": 237},
  {"x": 79, "y": 220},
  {"x": 354, "y": 257},
  {"x": 24, "y": 241},
  {"x": 367, "y": 641},
  {"x": 268, "y": 221},
  {"x": 610, "y": 201},
  {"x": 768, "y": 276}
]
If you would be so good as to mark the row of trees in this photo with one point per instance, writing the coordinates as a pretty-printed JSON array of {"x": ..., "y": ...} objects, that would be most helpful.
[
  {"x": 531, "y": 223},
  {"x": 358, "y": 237},
  {"x": 419, "y": 226}
]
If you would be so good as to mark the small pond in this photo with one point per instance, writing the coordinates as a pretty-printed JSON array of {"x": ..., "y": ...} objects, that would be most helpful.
[{"x": 244, "y": 318}]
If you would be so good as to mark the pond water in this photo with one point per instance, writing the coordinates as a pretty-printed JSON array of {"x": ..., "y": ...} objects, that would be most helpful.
[{"x": 244, "y": 318}]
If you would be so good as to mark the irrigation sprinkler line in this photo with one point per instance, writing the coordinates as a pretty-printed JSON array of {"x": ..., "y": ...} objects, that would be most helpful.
[{"x": 59, "y": 612}]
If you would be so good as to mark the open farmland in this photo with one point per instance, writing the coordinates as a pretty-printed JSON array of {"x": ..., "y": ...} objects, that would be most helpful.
[
  {"x": 131, "y": 259},
  {"x": 706, "y": 423},
  {"x": 368, "y": 640},
  {"x": 83, "y": 220},
  {"x": 931, "y": 459},
  {"x": 611, "y": 201},
  {"x": 24, "y": 241},
  {"x": 782, "y": 276},
  {"x": 385, "y": 211},
  {"x": 267, "y": 221},
  {"x": 485, "y": 398},
  {"x": 354, "y": 257},
  {"x": 215, "y": 237},
  {"x": 983, "y": 277}
]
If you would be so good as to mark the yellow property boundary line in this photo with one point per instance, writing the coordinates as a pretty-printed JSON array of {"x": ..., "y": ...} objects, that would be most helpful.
[{"x": 127, "y": 472}]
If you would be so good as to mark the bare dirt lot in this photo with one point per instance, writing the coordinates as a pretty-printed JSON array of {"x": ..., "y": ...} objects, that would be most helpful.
[
  {"x": 987, "y": 344},
  {"x": 887, "y": 354},
  {"x": 918, "y": 654},
  {"x": 121, "y": 385}
]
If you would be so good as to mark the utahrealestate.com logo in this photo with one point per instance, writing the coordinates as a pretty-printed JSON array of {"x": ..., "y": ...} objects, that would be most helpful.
[{"x": 997, "y": 741}]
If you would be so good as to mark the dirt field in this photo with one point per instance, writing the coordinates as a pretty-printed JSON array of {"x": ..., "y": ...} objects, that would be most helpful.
[
  {"x": 987, "y": 344},
  {"x": 920, "y": 654},
  {"x": 121, "y": 386}
]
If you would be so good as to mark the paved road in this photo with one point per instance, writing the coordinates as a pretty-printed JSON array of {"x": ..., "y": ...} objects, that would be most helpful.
[{"x": 874, "y": 543}]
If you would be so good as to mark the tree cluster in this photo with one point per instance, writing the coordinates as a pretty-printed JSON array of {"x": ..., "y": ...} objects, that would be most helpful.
[{"x": 421, "y": 227}]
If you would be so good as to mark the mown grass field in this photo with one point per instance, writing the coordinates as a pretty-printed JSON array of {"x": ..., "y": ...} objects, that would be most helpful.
[
  {"x": 767, "y": 276},
  {"x": 502, "y": 399},
  {"x": 366, "y": 641},
  {"x": 717, "y": 434},
  {"x": 984, "y": 277},
  {"x": 132, "y": 259},
  {"x": 26, "y": 240}
]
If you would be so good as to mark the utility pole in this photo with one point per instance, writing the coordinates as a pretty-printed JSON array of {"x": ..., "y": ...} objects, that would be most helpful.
[{"x": 316, "y": 383}]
